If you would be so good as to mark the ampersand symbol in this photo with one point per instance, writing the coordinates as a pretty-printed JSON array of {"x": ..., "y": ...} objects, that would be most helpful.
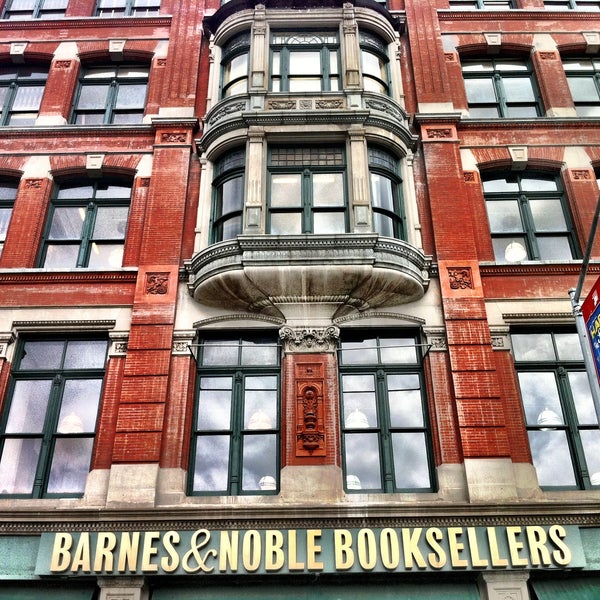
[{"x": 198, "y": 541}]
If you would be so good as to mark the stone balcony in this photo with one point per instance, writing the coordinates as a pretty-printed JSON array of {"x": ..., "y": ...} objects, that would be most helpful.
[{"x": 350, "y": 271}]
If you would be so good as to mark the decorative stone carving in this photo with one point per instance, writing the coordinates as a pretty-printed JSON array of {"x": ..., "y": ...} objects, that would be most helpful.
[
  {"x": 281, "y": 104},
  {"x": 161, "y": 62},
  {"x": 581, "y": 174},
  {"x": 309, "y": 340},
  {"x": 460, "y": 278},
  {"x": 437, "y": 133},
  {"x": 470, "y": 177},
  {"x": 548, "y": 55},
  {"x": 62, "y": 64},
  {"x": 329, "y": 104},
  {"x": 157, "y": 284},
  {"x": 33, "y": 184},
  {"x": 309, "y": 382},
  {"x": 173, "y": 138},
  {"x": 144, "y": 182},
  {"x": 226, "y": 110}
]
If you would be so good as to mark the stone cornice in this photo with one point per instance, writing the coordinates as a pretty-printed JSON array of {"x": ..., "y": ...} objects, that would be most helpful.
[
  {"x": 85, "y": 23},
  {"x": 493, "y": 16},
  {"x": 75, "y": 131},
  {"x": 527, "y": 124},
  {"x": 535, "y": 269},
  {"x": 35, "y": 276}
]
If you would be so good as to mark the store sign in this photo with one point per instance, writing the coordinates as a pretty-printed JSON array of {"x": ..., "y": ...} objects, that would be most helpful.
[
  {"x": 253, "y": 551},
  {"x": 590, "y": 309}
]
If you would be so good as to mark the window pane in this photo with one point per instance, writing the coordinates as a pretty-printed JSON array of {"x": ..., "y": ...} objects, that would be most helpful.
[
  {"x": 548, "y": 214},
  {"x": 582, "y": 397},
  {"x": 79, "y": 191},
  {"x": 305, "y": 62},
  {"x": 67, "y": 223},
  {"x": 18, "y": 465},
  {"x": 591, "y": 448},
  {"x": 398, "y": 350},
  {"x": 231, "y": 196},
  {"x": 5, "y": 214},
  {"x": 532, "y": 347},
  {"x": 286, "y": 224},
  {"x": 360, "y": 410},
  {"x": 521, "y": 112},
  {"x": 231, "y": 228},
  {"x": 28, "y": 98},
  {"x": 538, "y": 184},
  {"x": 500, "y": 184},
  {"x": 286, "y": 190},
  {"x": 504, "y": 216},
  {"x": 383, "y": 225},
  {"x": 112, "y": 191},
  {"x": 513, "y": 249},
  {"x": 410, "y": 460},
  {"x": 131, "y": 96},
  {"x": 41, "y": 355},
  {"x": 382, "y": 192},
  {"x": 259, "y": 353},
  {"x": 540, "y": 399},
  {"x": 305, "y": 84},
  {"x": 568, "y": 346},
  {"x": 211, "y": 463},
  {"x": 61, "y": 257},
  {"x": 259, "y": 460},
  {"x": 214, "y": 403},
  {"x": 518, "y": 89},
  {"x": 362, "y": 459},
  {"x": 260, "y": 403},
  {"x": 328, "y": 189},
  {"x": 359, "y": 353},
  {"x": 79, "y": 408},
  {"x": 85, "y": 354},
  {"x": 92, "y": 97},
  {"x": 237, "y": 67},
  {"x": 111, "y": 222},
  {"x": 105, "y": 256},
  {"x": 373, "y": 65},
  {"x": 220, "y": 352},
  {"x": 28, "y": 407},
  {"x": 480, "y": 90},
  {"x": 404, "y": 398},
  {"x": 583, "y": 89},
  {"x": 70, "y": 465},
  {"x": 329, "y": 222},
  {"x": 552, "y": 458},
  {"x": 554, "y": 248}
]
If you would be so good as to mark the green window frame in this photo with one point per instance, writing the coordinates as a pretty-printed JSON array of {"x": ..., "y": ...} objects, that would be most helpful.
[
  {"x": 386, "y": 441},
  {"x": 584, "y": 5},
  {"x": 111, "y": 95},
  {"x": 305, "y": 62},
  {"x": 583, "y": 77},
  {"x": 87, "y": 225},
  {"x": 374, "y": 63},
  {"x": 235, "y": 439},
  {"x": 228, "y": 196},
  {"x": 559, "y": 412},
  {"x": 501, "y": 88},
  {"x": 235, "y": 62},
  {"x": 21, "y": 91},
  {"x": 386, "y": 194},
  {"x": 35, "y": 9},
  {"x": 48, "y": 425},
  {"x": 481, "y": 4},
  {"x": 528, "y": 217},
  {"x": 8, "y": 195},
  {"x": 126, "y": 8},
  {"x": 307, "y": 190}
]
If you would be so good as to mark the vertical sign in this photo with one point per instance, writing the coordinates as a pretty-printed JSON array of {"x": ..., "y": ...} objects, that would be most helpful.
[{"x": 590, "y": 309}]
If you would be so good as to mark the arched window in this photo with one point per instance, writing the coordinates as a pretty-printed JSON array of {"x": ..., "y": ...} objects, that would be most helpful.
[
  {"x": 374, "y": 60},
  {"x": 234, "y": 66},
  {"x": 228, "y": 196}
]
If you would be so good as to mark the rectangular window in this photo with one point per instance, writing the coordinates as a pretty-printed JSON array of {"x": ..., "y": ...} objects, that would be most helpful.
[
  {"x": 500, "y": 88},
  {"x": 307, "y": 190},
  {"x": 234, "y": 66},
  {"x": 87, "y": 226},
  {"x": 561, "y": 420},
  {"x": 386, "y": 439},
  {"x": 49, "y": 421},
  {"x": 583, "y": 77},
  {"x": 588, "y": 5},
  {"x": 8, "y": 194},
  {"x": 305, "y": 62},
  {"x": 235, "y": 445},
  {"x": 111, "y": 95},
  {"x": 21, "y": 91},
  {"x": 528, "y": 218},
  {"x": 228, "y": 196},
  {"x": 122, "y": 8},
  {"x": 35, "y": 9},
  {"x": 481, "y": 4}
]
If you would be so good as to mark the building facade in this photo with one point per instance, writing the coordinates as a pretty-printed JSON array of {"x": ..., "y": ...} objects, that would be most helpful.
[{"x": 284, "y": 299}]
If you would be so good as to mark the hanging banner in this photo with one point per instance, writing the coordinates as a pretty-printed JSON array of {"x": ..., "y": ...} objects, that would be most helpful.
[{"x": 590, "y": 310}]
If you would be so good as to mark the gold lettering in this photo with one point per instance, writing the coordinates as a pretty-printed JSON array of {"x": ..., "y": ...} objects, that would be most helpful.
[
  {"x": 293, "y": 564},
  {"x": 389, "y": 548},
  {"x": 537, "y": 538},
  {"x": 456, "y": 548},
  {"x": 228, "y": 554},
  {"x": 251, "y": 550},
  {"x": 81, "y": 556},
  {"x": 476, "y": 561},
  {"x": 437, "y": 559},
  {"x": 170, "y": 563},
  {"x": 312, "y": 549},
  {"x": 274, "y": 556},
  {"x": 344, "y": 555},
  {"x": 148, "y": 551},
  {"x": 515, "y": 546},
  {"x": 103, "y": 557},
  {"x": 497, "y": 560},
  {"x": 128, "y": 551},
  {"x": 562, "y": 555},
  {"x": 366, "y": 548},
  {"x": 410, "y": 546},
  {"x": 61, "y": 557}
]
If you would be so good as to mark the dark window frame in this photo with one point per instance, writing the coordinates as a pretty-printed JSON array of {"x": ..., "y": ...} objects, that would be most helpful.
[
  {"x": 482, "y": 4},
  {"x": 238, "y": 373},
  {"x": 551, "y": 418},
  {"x": 90, "y": 207},
  {"x": 310, "y": 161},
  {"x": 50, "y": 433},
  {"x": 20, "y": 81},
  {"x": 500, "y": 73},
  {"x": 382, "y": 371},
  {"x": 593, "y": 74},
  {"x": 37, "y": 12},
  {"x": 528, "y": 234},
  {"x": 582, "y": 5},
  {"x": 129, "y": 9},
  {"x": 372, "y": 44},
  {"x": 7, "y": 201},
  {"x": 112, "y": 83},
  {"x": 236, "y": 47}
]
